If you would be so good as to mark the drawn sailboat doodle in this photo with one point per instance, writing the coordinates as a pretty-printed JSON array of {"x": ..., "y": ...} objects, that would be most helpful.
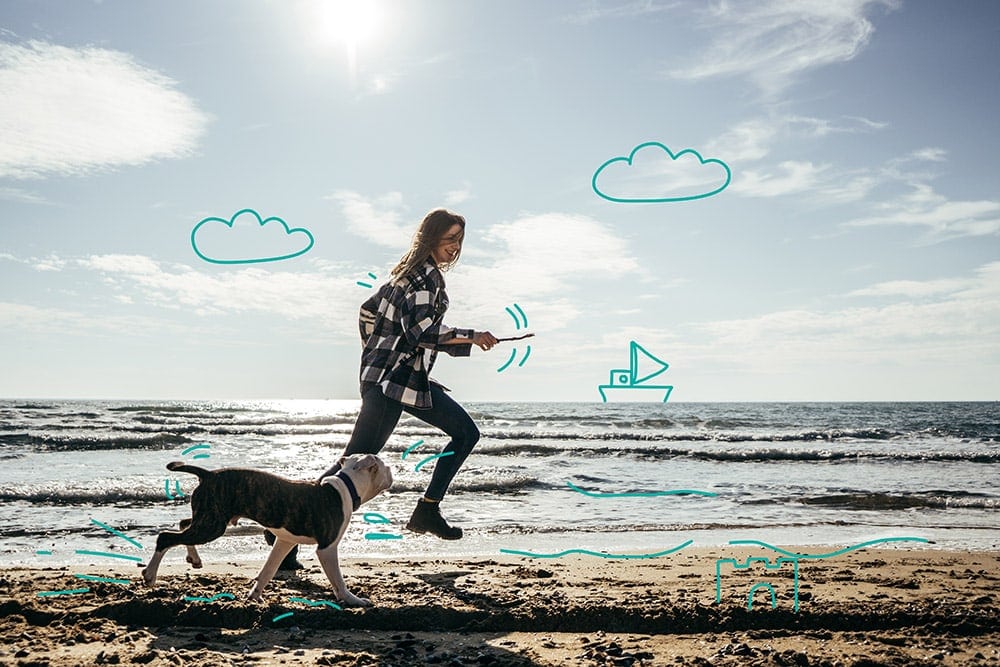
[{"x": 634, "y": 383}]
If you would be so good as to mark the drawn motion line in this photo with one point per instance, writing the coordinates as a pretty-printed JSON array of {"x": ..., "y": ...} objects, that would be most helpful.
[{"x": 646, "y": 494}]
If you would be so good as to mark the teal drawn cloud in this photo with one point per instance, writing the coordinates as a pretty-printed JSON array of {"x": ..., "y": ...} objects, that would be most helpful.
[
  {"x": 653, "y": 150},
  {"x": 280, "y": 246}
]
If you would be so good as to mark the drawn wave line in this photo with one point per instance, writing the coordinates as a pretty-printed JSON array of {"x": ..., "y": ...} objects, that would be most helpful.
[
  {"x": 831, "y": 554},
  {"x": 317, "y": 603},
  {"x": 598, "y": 554},
  {"x": 116, "y": 533},
  {"x": 104, "y": 554},
  {"x": 643, "y": 494},
  {"x": 217, "y": 596},
  {"x": 431, "y": 458},
  {"x": 107, "y": 580},
  {"x": 68, "y": 591}
]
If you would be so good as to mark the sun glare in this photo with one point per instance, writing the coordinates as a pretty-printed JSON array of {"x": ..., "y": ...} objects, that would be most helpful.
[{"x": 348, "y": 22}]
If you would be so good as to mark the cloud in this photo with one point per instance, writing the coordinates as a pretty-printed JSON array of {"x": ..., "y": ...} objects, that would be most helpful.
[
  {"x": 69, "y": 111},
  {"x": 380, "y": 220},
  {"x": 599, "y": 11},
  {"x": 941, "y": 218},
  {"x": 754, "y": 138},
  {"x": 773, "y": 41},
  {"x": 654, "y": 173},
  {"x": 326, "y": 293},
  {"x": 246, "y": 238},
  {"x": 942, "y": 320}
]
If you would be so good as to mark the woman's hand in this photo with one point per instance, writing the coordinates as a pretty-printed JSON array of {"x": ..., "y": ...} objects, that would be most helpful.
[{"x": 484, "y": 339}]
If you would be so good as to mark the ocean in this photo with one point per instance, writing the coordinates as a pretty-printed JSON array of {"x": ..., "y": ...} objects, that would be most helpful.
[{"x": 88, "y": 477}]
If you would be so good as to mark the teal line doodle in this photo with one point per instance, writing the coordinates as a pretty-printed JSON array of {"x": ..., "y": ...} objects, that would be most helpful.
[
  {"x": 382, "y": 536},
  {"x": 261, "y": 221},
  {"x": 317, "y": 603},
  {"x": 104, "y": 554},
  {"x": 411, "y": 448},
  {"x": 375, "y": 517},
  {"x": 677, "y": 492},
  {"x": 746, "y": 565},
  {"x": 71, "y": 591},
  {"x": 832, "y": 553},
  {"x": 585, "y": 552},
  {"x": 517, "y": 322},
  {"x": 431, "y": 458},
  {"x": 214, "y": 598},
  {"x": 116, "y": 533},
  {"x": 513, "y": 353},
  {"x": 202, "y": 456},
  {"x": 281, "y": 616},
  {"x": 43, "y": 552},
  {"x": 107, "y": 580},
  {"x": 368, "y": 285},
  {"x": 194, "y": 448},
  {"x": 177, "y": 488},
  {"x": 632, "y": 379},
  {"x": 673, "y": 156},
  {"x": 774, "y": 597}
]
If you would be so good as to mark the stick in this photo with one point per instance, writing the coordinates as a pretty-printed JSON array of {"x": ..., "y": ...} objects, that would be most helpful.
[{"x": 501, "y": 340}]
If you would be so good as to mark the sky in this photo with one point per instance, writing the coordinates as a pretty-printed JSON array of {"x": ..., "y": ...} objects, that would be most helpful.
[{"x": 783, "y": 201}]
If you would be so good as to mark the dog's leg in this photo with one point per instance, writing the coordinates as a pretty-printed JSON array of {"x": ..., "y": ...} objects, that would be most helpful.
[
  {"x": 149, "y": 572},
  {"x": 201, "y": 529},
  {"x": 278, "y": 552},
  {"x": 330, "y": 561},
  {"x": 192, "y": 556}
]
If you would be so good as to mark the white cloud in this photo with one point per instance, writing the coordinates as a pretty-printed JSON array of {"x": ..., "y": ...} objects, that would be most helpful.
[
  {"x": 458, "y": 196},
  {"x": 603, "y": 11},
  {"x": 381, "y": 221},
  {"x": 941, "y": 218},
  {"x": 773, "y": 41},
  {"x": 71, "y": 111},
  {"x": 21, "y": 196},
  {"x": 535, "y": 260},
  {"x": 320, "y": 294},
  {"x": 944, "y": 320},
  {"x": 755, "y": 138}
]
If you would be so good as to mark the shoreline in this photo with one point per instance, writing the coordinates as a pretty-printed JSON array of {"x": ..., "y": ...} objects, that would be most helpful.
[{"x": 897, "y": 606}]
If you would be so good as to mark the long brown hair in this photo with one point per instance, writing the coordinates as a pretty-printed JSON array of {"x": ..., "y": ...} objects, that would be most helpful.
[{"x": 432, "y": 229}]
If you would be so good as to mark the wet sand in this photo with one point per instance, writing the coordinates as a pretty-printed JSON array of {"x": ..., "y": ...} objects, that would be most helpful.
[{"x": 870, "y": 607}]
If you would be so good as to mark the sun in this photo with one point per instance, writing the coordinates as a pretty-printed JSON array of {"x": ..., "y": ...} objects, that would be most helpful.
[{"x": 348, "y": 23}]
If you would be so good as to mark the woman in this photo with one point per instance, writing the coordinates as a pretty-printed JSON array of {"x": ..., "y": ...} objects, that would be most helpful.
[{"x": 402, "y": 331}]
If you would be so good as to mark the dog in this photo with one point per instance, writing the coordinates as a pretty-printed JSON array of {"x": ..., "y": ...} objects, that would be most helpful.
[{"x": 295, "y": 512}]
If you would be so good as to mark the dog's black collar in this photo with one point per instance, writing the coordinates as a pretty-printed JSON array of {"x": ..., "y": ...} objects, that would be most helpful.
[{"x": 355, "y": 498}]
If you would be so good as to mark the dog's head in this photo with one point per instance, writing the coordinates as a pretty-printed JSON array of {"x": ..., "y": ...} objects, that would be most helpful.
[{"x": 370, "y": 474}]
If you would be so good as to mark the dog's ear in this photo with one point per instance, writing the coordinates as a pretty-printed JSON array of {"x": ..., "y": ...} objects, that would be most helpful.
[{"x": 342, "y": 462}]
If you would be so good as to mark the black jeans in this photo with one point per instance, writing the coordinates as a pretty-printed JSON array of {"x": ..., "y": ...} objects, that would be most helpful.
[{"x": 379, "y": 416}]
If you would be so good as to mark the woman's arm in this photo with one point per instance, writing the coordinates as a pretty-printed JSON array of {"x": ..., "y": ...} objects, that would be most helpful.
[{"x": 484, "y": 339}]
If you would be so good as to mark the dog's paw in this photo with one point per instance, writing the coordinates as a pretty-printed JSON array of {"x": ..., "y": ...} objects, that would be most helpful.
[
  {"x": 147, "y": 579},
  {"x": 195, "y": 562},
  {"x": 255, "y": 593}
]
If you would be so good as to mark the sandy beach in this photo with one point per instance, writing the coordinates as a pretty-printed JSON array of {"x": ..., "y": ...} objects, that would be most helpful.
[{"x": 867, "y": 607}]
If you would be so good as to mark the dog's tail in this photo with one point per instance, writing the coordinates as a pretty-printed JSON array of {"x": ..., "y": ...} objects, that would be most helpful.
[{"x": 184, "y": 467}]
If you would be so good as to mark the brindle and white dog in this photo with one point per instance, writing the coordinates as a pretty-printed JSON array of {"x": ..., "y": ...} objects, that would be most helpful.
[{"x": 296, "y": 512}]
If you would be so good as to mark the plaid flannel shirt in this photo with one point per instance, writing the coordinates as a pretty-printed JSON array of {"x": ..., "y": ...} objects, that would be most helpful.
[{"x": 402, "y": 331}]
